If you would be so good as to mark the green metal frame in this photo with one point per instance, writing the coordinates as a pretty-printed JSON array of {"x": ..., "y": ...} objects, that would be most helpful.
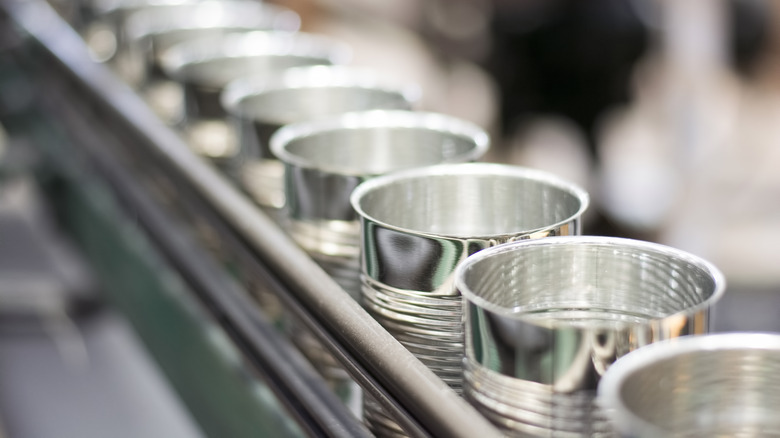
[{"x": 194, "y": 353}]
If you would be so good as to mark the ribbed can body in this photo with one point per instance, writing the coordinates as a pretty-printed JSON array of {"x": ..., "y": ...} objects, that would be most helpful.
[
  {"x": 545, "y": 319},
  {"x": 326, "y": 159},
  {"x": 417, "y": 226}
]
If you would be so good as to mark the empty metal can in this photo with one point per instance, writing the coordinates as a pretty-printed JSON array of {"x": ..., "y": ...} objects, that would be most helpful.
[
  {"x": 151, "y": 30},
  {"x": 326, "y": 159},
  {"x": 546, "y": 318},
  {"x": 717, "y": 385},
  {"x": 106, "y": 33},
  {"x": 418, "y": 225},
  {"x": 205, "y": 66},
  {"x": 261, "y": 104}
]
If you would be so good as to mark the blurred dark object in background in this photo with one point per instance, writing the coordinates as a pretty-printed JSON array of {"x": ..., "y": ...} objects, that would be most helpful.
[
  {"x": 568, "y": 57},
  {"x": 750, "y": 24},
  {"x": 576, "y": 58}
]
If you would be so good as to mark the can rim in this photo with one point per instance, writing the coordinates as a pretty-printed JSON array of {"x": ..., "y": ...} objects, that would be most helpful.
[
  {"x": 472, "y": 169},
  {"x": 366, "y": 120},
  {"x": 718, "y": 279},
  {"x": 244, "y": 14},
  {"x": 611, "y": 382},
  {"x": 251, "y": 44},
  {"x": 242, "y": 89}
]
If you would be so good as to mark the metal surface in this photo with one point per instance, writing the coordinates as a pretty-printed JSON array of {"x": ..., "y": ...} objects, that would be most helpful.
[
  {"x": 262, "y": 103},
  {"x": 304, "y": 93},
  {"x": 152, "y": 30},
  {"x": 326, "y": 159},
  {"x": 105, "y": 7},
  {"x": 419, "y": 401},
  {"x": 104, "y": 23},
  {"x": 205, "y": 66},
  {"x": 719, "y": 385},
  {"x": 546, "y": 318},
  {"x": 418, "y": 225}
]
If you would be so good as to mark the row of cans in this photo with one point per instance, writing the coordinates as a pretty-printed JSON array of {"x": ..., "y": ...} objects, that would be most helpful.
[{"x": 481, "y": 270}]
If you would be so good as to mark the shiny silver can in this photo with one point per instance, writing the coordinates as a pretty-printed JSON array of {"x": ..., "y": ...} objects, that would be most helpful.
[
  {"x": 326, "y": 159},
  {"x": 545, "y": 319},
  {"x": 259, "y": 105},
  {"x": 418, "y": 225},
  {"x": 717, "y": 385},
  {"x": 152, "y": 30},
  {"x": 204, "y": 66},
  {"x": 106, "y": 33}
]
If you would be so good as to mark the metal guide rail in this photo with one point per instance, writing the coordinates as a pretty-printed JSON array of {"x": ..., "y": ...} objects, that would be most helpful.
[{"x": 155, "y": 176}]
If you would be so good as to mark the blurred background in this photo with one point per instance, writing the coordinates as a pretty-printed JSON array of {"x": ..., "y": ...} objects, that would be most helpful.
[{"x": 666, "y": 111}]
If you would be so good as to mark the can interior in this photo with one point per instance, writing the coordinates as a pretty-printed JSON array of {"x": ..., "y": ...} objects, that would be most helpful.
[
  {"x": 288, "y": 105},
  {"x": 726, "y": 392},
  {"x": 588, "y": 282},
  {"x": 218, "y": 71},
  {"x": 471, "y": 204},
  {"x": 378, "y": 150}
]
